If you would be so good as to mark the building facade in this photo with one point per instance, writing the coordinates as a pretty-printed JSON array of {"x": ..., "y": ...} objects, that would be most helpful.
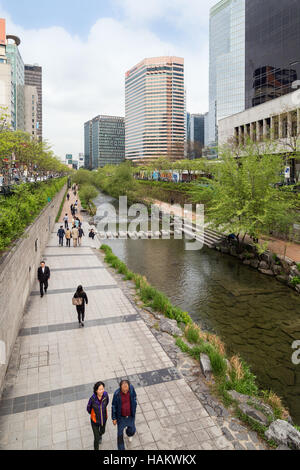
[
  {"x": 18, "y": 82},
  {"x": 6, "y": 85},
  {"x": 104, "y": 141},
  {"x": 277, "y": 119},
  {"x": 33, "y": 77},
  {"x": 155, "y": 109},
  {"x": 31, "y": 110},
  {"x": 254, "y": 55},
  {"x": 226, "y": 63}
]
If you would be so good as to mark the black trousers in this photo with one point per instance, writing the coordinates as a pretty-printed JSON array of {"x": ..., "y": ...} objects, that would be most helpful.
[
  {"x": 98, "y": 433},
  {"x": 66, "y": 224},
  {"x": 61, "y": 241},
  {"x": 80, "y": 312},
  {"x": 42, "y": 285},
  {"x": 68, "y": 241}
]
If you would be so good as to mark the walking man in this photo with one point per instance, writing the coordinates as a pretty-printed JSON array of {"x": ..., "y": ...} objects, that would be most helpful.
[
  {"x": 68, "y": 196},
  {"x": 43, "y": 277},
  {"x": 66, "y": 221},
  {"x": 61, "y": 234},
  {"x": 75, "y": 235},
  {"x": 68, "y": 237},
  {"x": 123, "y": 411},
  {"x": 80, "y": 235},
  {"x": 97, "y": 408}
]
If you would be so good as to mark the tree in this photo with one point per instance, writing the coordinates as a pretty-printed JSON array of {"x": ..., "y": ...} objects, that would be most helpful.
[{"x": 244, "y": 199}]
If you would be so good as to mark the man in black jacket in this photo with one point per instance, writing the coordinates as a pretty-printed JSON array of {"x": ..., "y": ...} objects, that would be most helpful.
[
  {"x": 43, "y": 277},
  {"x": 61, "y": 234}
]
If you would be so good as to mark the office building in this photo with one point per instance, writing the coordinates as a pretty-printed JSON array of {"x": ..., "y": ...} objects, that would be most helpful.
[
  {"x": 155, "y": 109},
  {"x": 104, "y": 141},
  {"x": 33, "y": 77},
  {"x": 18, "y": 82},
  {"x": 31, "y": 110},
  {"x": 254, "y": 55},
  {"x": 226, "y": 63},
  {"x": 6, "y": 85},
  {"x": 272, "y": 54}
]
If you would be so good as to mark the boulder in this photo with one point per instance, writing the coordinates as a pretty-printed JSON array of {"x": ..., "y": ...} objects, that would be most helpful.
[
  {"x": 298, "y": 288},
  {"x": 247, "y": 262},
  {"x": 268, "y": 258},
  {"x": 285, "y": 259},
  {"x": 284, "y": 433},
  {"x": 254, "y": 263},
  {"x": 295, "y": 271},
  {"x": 283, "y": 279},
  {"x": 170, "y": 326},
  {"x": 205, "y": 365},
  {"x": 246, "y": 399},
  {"x": 224, "y": 249},
  {"x": 276, "y": 269},
  {"x": 239, "y": 396},
  {"x": 254, "y": 414},
  {"x": 263, "y": 265},
  {"x": 268, "y": 272}
]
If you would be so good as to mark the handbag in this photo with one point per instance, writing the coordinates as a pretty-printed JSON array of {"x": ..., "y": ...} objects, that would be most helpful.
[{"x": 77, "y": 301}]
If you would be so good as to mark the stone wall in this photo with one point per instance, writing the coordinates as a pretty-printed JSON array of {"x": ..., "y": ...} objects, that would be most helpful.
[{"x": 18, "y": 272}]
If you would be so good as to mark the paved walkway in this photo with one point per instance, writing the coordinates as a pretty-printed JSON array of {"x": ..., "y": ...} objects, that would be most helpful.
[{"x": 55, "y": 364}]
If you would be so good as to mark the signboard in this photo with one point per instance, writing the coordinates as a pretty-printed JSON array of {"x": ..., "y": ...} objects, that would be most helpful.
[{"x": 287, "y": 172}]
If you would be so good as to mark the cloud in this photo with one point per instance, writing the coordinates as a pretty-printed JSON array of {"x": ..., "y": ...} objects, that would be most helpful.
[{"x": 84, "y": 77}]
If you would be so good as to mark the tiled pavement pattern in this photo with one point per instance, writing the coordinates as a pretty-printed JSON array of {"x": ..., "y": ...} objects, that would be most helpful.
[{"x": 54, "y": 366}]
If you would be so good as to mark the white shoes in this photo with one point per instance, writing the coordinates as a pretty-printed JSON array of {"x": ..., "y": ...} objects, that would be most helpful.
[{"x": 130, "y": 439}]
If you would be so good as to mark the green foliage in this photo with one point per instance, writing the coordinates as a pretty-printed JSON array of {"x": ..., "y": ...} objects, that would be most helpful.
[
  {"x": 246, "y": 385},
  {"x": 295, "y": 281},
  {"x": 19, "y": 210},
  {"x": 298, "y": 266},
  {"x": 192, "y": 334},
  {"x": 61, "y": 206}
]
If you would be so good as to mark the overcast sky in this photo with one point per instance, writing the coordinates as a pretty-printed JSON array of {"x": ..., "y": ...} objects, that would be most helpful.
[{"x": 86, "y": 46}]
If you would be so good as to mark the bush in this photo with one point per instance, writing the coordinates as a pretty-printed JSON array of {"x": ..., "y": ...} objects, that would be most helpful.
[
  {"x": 295, "y": 281},
  {"x": 19, "y": 210}
]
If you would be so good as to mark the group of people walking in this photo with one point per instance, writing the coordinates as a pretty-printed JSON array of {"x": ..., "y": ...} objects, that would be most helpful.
[{"x": 76, "y": 233}]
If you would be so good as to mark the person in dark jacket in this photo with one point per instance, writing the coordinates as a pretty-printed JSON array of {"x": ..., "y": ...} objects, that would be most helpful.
[
  {"x": 61, "y": 234},
  {"x": 80, "y": 235},
  {"x": 97, "y": 408},
  {"x": 81, "y": 308},
  {"x": 43, "y": 277},
  {"x": 123, "y": 411}
]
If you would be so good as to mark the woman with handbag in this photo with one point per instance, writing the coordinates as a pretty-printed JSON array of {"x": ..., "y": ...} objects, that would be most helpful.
[{"x": 80, "y": 299}]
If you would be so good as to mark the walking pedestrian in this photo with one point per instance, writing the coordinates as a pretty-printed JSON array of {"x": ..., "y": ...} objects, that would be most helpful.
[
  {"x": 77, "y": 222},
  {"x": 92, "y": 233},
  {"x": 68, "y": 237},
  {"x": 97, "y": 408},
  {"x": 61, "y": 234},
  {"x": 68, "y": 196},
  {"x": 43, "y": 277},
  {"x": 80, "y": 235},
  {"x": 75, "y": 235},
  {"x": 66, "y": 221},
  {"x": 123, "y": 411},
  {"x": 80, "y": 299}
]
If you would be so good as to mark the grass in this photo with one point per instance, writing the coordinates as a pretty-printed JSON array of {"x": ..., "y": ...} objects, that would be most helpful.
[
  {"x": 61, "y": 206},
  {"x": 229, "y": 374}
]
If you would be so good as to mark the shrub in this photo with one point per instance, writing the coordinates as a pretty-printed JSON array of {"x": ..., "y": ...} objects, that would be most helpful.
[{"x": 295, "y": 281}]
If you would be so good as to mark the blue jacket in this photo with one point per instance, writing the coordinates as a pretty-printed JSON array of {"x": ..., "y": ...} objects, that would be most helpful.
[{"x": 117, "y": 404}]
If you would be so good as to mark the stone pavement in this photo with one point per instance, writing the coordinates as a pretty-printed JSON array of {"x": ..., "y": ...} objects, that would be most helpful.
[{"x": 55, "y": 364}]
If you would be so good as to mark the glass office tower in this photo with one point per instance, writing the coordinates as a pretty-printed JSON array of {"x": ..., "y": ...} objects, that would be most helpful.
[
  {"x": 272, "y": 49},
  {"x": 226, "y": 63},
  {"x": 104, "y": 141},
  {"x": 18, "y": 82},
  {"x": 155, "y": 109}
]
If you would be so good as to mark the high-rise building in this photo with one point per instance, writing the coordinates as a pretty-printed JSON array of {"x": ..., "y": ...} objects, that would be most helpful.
[
  {"x": 6, "y": 85},
  {"x": 254, "y": 55},
  {"x": 18, "y": 82},
  {"x": 272, "y": 56},
  {"x": 155, "y": 109},
  {"x": 226, "y": 62},
  {"x": 33, "y": 77},
  {"x": 31, "y": 110},
  {"x": 104, "y": 141}
]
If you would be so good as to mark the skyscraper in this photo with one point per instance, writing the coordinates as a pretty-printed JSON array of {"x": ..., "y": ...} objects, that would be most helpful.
[
  {"x": 226, "y": 62},
  {"x": 104, "y": 141},
  {"x": 18, "y": 82},
  {"x": 254, "y": 55},
  {"x": 33, "y": 77},
  {"x": 272, "y": 49},
  {"x": 155, "y": 109},
  {"x": 31, "y": 110}
]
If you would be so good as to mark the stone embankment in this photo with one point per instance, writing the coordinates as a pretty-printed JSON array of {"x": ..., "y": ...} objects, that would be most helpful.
[{"x": 284, "y": 269}]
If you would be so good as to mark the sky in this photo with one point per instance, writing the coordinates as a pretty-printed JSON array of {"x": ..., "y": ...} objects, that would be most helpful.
[{"x": 86, "y": 46}]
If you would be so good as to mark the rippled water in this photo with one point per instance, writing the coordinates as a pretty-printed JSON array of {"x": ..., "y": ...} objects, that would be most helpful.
[{"x": 253, "y": 314}]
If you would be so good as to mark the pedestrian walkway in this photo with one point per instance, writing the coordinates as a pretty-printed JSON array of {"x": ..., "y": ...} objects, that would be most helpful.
[{"x": 55, "y": 364}]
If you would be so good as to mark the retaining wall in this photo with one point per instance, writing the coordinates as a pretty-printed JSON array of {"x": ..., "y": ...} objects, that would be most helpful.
[{"x": 18, "y": 272}]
